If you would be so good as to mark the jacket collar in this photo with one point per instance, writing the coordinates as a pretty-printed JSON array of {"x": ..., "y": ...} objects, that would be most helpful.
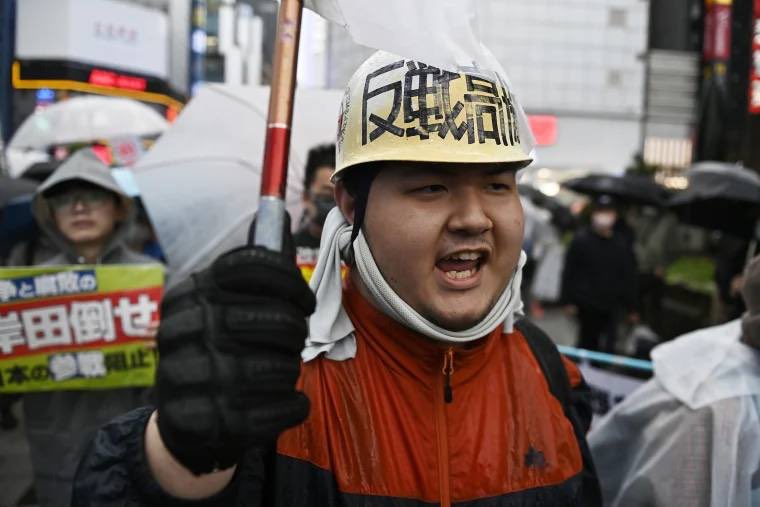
[{"x": 408, "y": 352}]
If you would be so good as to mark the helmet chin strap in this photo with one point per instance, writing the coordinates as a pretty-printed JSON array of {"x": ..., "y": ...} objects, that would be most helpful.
[
  {"x": 331, "y": 330},
  {"x": 503, "y": 311}
]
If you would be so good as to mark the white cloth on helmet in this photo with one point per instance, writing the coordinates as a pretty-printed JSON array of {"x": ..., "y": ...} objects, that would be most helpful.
[
  {"x": 691, "y": 435},
  {"x": 330, "y": 329}
]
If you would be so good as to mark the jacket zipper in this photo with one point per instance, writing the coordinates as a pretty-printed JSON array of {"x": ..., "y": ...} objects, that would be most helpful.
[
  {"x": 444, "y": 397},
  {"x": 448, "y": 370}
]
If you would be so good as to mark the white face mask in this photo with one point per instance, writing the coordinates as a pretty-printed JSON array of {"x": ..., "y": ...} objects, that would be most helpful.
[{"x": 603, "y": 219}]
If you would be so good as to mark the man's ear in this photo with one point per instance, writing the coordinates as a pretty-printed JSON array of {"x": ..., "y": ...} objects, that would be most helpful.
[{"x": 346, "y": 202}]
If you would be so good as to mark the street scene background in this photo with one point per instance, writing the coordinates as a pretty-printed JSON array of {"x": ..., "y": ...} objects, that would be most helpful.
[{"x": 646, "y": 118}]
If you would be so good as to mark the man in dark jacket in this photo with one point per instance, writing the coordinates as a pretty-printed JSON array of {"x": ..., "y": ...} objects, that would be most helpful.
[
  {"x": 599, "y": 281},
  {"x": 419, "y": 386}
]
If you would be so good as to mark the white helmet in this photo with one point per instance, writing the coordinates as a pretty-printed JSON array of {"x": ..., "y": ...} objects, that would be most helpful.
[{"x": 399, "y": 109}]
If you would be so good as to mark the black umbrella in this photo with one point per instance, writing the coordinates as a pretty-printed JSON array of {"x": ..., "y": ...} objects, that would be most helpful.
[
  {"x": 720, "y": 196},
  {"x": 630, "y": 189},
  {"x": 12, "y": 188}
]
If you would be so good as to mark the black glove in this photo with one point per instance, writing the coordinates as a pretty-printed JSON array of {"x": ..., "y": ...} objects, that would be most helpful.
[{"x": 229, "y": 345}]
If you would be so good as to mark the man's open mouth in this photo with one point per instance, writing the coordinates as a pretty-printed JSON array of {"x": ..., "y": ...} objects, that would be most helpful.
[{"x": 461, "y": 265}]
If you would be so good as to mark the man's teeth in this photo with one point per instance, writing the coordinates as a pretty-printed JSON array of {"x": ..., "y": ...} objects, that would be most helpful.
[
  {"x": 464, "y": 256},
  {"x": 459, "y": 275}
]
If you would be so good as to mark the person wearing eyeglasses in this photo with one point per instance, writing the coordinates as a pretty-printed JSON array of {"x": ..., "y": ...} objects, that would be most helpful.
[{"x": 87, "y": 216}]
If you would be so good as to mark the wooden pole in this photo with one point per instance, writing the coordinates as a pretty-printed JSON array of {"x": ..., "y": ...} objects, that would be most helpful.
[{"x": 270, "y": 218}]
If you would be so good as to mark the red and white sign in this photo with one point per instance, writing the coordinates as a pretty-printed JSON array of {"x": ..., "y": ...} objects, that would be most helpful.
[
  {"x": 754, "y": 76},
  {"x": 84, "y": 322}
]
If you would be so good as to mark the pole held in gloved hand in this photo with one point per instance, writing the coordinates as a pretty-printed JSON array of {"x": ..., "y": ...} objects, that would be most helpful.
[{"x": 270, "y": 218}]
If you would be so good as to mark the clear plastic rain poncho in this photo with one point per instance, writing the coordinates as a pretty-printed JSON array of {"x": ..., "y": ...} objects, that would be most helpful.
[{"x": 691, "y": 435}]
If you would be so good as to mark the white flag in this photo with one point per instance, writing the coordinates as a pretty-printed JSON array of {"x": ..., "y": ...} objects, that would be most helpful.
[{"x": 437, "y": 32}]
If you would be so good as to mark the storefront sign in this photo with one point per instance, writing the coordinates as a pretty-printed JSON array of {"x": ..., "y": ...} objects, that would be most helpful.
[
  {"x": 98, "y": 32},
  {"x": 114, "y": 80},
  {"x": 78, "y": 327},
  {"x": 717, "y": 36}
]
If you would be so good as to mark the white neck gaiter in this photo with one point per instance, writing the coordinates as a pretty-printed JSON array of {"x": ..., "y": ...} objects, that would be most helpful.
[{"x": 330, "y": 329}]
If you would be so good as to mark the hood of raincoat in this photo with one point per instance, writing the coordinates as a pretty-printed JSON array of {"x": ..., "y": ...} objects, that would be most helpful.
[
  {"x": 708, "y": 365},
  {"x": 84, "y": 165}
]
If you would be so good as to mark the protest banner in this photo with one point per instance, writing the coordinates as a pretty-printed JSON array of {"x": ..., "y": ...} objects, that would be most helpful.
[
  {"x": 606, "y": 376},
  {"x": 78, "y": 327}
]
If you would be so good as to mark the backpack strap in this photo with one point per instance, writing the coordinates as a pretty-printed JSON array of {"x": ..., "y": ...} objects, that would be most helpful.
[
  {"x": 549, "y": 359},
  {"x": 551, "y": 364}
]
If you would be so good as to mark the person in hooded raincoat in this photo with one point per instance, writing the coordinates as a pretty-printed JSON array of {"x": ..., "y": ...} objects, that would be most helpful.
[
  {"x": 691, "y": 435},
  {"x": 86, "y": 215},
  {"x": 418, "y": 384}
]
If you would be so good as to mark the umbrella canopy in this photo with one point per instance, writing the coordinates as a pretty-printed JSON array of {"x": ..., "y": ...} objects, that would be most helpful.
[
  {"x": 21, "y": 160},
  {"x": 86, "y": 119},
  {"x": 12, "y": 189},
  {"x": 720, "y": 196},
  {"x": 628, "y": 188},
  {"x": 200, "y": 181}
]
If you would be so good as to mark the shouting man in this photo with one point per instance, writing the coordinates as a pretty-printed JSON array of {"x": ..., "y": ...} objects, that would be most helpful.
[{"x": 417, "y": 384}]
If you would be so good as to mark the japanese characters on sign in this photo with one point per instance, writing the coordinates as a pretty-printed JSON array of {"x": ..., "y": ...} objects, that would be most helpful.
[
  {"x": 48, "y": 284},
  {"x": 424, "y": 103},
  {"x": 78, "y": 328},
  {"x": 76, "y": 323}
]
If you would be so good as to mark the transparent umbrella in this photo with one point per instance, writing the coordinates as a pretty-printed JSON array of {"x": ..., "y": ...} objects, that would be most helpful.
[
  {"x": 200, "y": 181},
  {"x": 86, "y": 119}
]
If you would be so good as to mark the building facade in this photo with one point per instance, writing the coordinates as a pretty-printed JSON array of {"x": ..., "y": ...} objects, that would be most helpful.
[{"x": 577, "y": 67}]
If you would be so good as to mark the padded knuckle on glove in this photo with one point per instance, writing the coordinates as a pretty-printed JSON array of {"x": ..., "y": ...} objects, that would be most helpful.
[
  {"x": 275, "y": 328},
  {"x": 259, "y": 374},
  {"x": 263, "y": 273},
  {"x": 177, "y": 328},
  {"x": 185, "y": 367}
]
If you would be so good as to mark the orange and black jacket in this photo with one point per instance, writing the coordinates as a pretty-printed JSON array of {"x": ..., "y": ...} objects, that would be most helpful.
[{"x": 407, "y": 422}]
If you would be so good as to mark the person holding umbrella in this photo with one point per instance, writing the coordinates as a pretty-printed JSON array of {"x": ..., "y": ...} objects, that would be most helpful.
[
  {"x": 419, "y": 383},
  {"x": 724, "y": 197},
  {"x": 600, "y": 278}
]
